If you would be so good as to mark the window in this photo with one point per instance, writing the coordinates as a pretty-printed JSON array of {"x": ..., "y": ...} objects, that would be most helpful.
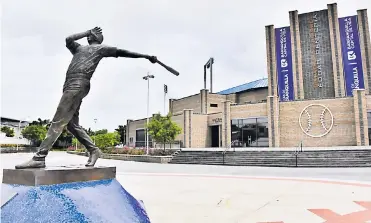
[
  {"x": 214, "y": 105},
  {"x": 369, "y": 126},
  {"x": 250, "y": 132},
  {"x": 141, "y": 138}
]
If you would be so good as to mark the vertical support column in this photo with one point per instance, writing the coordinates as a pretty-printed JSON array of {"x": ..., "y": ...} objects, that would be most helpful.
[
  {"x": 364, "y": 39},
  {"x": 296, "y": 56},
  {"x": 273, "y": 116},
  {"x": 220, "y": 127},
  {"x": 204, "y": 94},
  {"x": 337, "y": 59},
  {"x": 187, "y": 128},
  {"x": 171, "y": 106},
  {"x": 271, "y": 60},
  {"x": 360, "y": 117},
  {"x": 128, "y": 131},
  {"x": 226, "y": 125}
]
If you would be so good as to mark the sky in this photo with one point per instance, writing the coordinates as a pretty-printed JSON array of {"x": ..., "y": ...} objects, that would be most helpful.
[{"x": 181, "y": 33}]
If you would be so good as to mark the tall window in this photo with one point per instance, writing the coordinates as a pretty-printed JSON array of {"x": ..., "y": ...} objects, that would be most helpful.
[
  {"x": 369, "y": 126},
  {"x": 251, "y": 132},
  {"x": 140, "y": 138}
]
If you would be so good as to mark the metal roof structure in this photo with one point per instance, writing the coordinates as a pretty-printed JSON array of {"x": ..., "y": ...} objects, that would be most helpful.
[{"x": 261, "y": 83}]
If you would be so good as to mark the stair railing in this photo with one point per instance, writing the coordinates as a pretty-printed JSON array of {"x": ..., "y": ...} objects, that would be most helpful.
[
  {"x": 298, "y": 150},
  {"x": 226, "y": 150}
]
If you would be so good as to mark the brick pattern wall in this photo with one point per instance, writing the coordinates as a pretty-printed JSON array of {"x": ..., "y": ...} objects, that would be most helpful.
[
  {"x": 204, "y": 100},
  {"x": 271, "y": 60},
  {"x": 249, "y": 110},
  {"x": 365, "y": 42},
  {"x": 360, "y": 117},
  {"x": 188, "y": 127},
  {"x": 232, "y": 98},
  {"x": 215, "y": 99},
  {"x": 316, "y": 56},
  {"x": 128, "y": 128},
  {"x": 368, "y": 102},
  {"x": 337, "y": 60},
  {"x": 201, "y": 136},
  {"x": 179, "y": 119},
  {"x": 273, "y": 117},
  {"x": 341, "y": 134},
  {"x": 191, "y": 102},
  {"x": 133, "y": 126},
  {"x": 215, "y": 118},
  {"x": 296, "y": 55},
  {"x": 253, "y": 96},
  {"x": 226, "y": 125}
]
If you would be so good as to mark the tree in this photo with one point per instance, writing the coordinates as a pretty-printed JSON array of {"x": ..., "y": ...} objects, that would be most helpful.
[
  {"x": 34, "y": 133},
  {"x": 64, "y": 140},
  {"x": 45, "y": 122},
  {"x": 106, "y": 140},
  {"x": 102, "y": 131},
  {"x": 121, "y": 130},
  {"x": 89, "y": 131},
  {"x": 9, "y": 132},
  {"x": 163, "y": 129}
]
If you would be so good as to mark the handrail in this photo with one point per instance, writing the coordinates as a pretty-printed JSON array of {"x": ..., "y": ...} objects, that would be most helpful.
[
  {"x": 297, "y": 151},
  {"x": 227, "y": 149}
]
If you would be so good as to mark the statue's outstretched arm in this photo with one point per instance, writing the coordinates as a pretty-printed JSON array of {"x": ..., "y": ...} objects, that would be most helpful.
[{"x": 126, "y": 53}]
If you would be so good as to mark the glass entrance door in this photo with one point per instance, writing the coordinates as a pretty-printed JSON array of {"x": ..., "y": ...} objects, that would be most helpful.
[
  {"x": 248, "y": 136},
  {"x": 250, "y": 132}
]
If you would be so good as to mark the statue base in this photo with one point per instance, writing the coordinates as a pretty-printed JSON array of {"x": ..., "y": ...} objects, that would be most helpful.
[{"x": 67, "y": 194}]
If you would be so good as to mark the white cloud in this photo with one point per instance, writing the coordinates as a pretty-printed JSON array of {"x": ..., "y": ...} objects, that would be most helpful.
[{"x": 183, "y": 34}]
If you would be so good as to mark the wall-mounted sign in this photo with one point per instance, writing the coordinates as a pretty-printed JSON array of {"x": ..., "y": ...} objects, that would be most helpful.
[
  {"x": 216, "y": 120},
  {"x": 351, "y": 49},
  {"x": 318, "y": 78},
  {"x": 316, "y": 120},
  {"x": 285, "y": 77}
]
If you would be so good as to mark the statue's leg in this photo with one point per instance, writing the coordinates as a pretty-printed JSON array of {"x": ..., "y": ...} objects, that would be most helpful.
[
  {"x": 80, "y": 134},
  {"x": 67, "y": 106}
]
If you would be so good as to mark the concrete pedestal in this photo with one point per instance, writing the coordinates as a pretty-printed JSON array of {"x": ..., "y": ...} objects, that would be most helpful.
[{"x": 67, "y": 194}]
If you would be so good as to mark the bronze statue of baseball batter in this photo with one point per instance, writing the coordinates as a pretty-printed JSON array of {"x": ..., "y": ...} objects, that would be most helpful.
[{"x": 77, "y": 85}]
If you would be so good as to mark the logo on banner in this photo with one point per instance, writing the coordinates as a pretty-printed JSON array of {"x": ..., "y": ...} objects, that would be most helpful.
[
  {"x": 316, "y": 120},
  {"x": 284, "y": 63},
  {"x": 351, "y": 55}
]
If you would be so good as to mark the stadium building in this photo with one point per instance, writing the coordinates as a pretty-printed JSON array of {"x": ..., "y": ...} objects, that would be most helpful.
[{"x": 318, "y": 91}]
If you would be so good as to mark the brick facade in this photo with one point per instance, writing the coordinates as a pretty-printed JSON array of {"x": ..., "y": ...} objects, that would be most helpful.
[
  {"x": 365, "y": 42},
  {"x": 349, "y": 122},
  {"x": 342, "y": 131},
  {"x": 317, "y": 117}
]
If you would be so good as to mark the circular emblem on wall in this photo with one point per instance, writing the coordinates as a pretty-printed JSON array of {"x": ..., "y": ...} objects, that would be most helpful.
[{"x": 316, "y": 120}]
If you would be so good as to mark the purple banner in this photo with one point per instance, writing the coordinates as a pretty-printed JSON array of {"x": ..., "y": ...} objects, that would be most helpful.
[
  {"x": 284, "y": 64},
  {"x": 351, "y": 50}
]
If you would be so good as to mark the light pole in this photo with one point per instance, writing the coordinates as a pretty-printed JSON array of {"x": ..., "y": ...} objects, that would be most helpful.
[
  {"x": 147, "y": 79},
  {"x": 95, "y": 127},
  {"x": 19, "y": 132},
  {"x": 19, "y": 129},
  {"x": 209, "y": 64}
]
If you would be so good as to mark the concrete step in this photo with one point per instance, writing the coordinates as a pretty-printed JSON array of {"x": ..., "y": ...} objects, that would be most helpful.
[{"x": 344, "y": 158}]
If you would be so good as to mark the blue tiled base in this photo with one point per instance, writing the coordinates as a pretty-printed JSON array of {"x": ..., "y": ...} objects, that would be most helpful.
[{"x": 95, "y": 201}]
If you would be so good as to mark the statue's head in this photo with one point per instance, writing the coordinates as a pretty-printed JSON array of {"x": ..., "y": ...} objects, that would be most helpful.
[{"x": 95, "y": 38}]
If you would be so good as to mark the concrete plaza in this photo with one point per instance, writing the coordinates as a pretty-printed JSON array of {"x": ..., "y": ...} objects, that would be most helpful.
[{"x": 194, "y": 193}]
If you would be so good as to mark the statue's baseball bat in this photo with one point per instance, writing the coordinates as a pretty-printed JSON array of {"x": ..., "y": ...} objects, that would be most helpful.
[{"x": 168, "y": 68}]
